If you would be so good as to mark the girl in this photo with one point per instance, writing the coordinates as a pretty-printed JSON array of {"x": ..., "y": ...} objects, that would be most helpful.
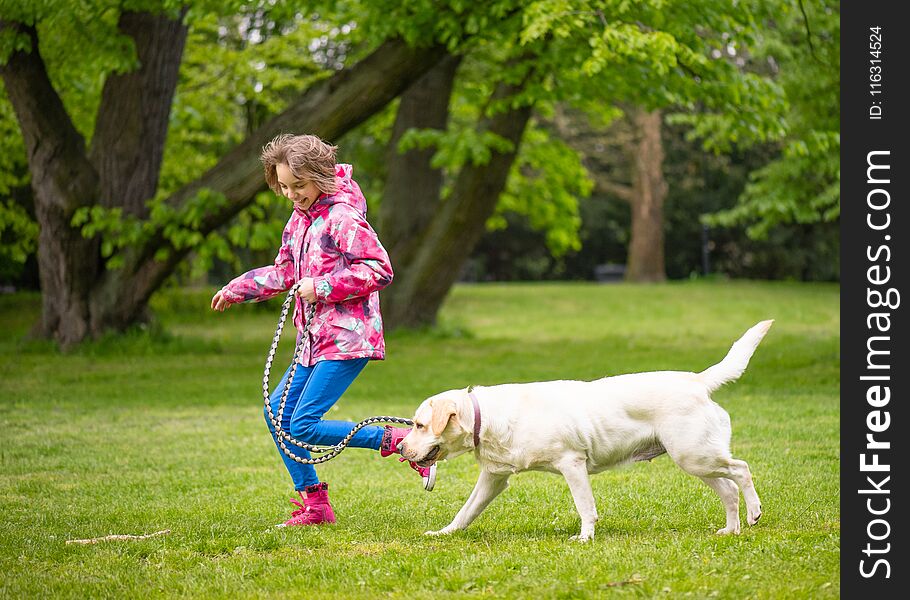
[{"x": 328, "y": 247}]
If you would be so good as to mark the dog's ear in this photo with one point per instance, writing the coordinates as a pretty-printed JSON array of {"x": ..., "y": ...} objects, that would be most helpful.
[{"x": 443, "y": 410}]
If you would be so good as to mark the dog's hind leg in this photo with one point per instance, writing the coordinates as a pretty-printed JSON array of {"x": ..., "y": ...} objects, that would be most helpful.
[
  {"x": 738, "y": 471},
  {"x": 729, "y": 496},
  {"x": 488, "y": 486},
  {"x": 726, "y": 467},
  {"x": 575, "y": 470},
  {"x": 700, "y": 445}
]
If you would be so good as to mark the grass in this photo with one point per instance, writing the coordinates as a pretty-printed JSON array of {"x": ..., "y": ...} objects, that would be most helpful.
[{"x": 162, "y": 429}]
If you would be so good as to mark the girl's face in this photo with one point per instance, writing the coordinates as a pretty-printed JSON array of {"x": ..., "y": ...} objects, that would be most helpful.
[{"x": 301, "y": 192}]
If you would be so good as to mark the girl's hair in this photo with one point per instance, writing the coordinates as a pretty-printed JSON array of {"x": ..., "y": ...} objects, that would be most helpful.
[{"x": 307, "y": 156}]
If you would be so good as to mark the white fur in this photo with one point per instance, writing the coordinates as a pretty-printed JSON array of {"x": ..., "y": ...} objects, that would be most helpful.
[{"x": 575, "y": 428}]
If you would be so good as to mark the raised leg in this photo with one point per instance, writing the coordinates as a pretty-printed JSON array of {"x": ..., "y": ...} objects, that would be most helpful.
[
  {"x": 575, "y": 471},
  {"x": 729, "y": 496},
  {"x": 488, "y": 486},
  {"x": 739, "y": 472},
  {"x": 700, "y": 445},
  {"x": 716, "y": 467}
]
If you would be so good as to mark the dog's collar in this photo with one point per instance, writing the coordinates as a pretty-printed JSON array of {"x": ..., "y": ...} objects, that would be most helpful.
[{"x": 476, "y": 417}]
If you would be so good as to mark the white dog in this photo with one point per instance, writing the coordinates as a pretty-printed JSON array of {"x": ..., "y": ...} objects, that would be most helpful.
[{"x": 580, "y": 427}]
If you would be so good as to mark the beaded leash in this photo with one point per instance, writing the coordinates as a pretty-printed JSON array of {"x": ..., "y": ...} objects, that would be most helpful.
[{"x": 328, "y": 452}]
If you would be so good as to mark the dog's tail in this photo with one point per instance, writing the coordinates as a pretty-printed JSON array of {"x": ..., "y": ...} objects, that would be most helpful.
[{"x": 737, "y": 359}]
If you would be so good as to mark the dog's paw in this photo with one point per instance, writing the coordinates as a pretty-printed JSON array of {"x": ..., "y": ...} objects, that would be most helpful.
[
  {"x": 753, "y": 515},
  {"x": 729, "y": 531},
  {"x": 443, "y": 531},
  {"x": 582, "y": 538}
]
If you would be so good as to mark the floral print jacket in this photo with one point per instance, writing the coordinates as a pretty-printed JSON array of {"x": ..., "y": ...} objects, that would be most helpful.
[{"x": 333, "y": 243}]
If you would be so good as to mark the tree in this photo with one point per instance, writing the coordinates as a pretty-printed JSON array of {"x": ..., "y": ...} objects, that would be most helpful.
[
  {"x": 108, "y": 185},
  {"x": 524, "y": 58},
  {"x": 799, "y": 48},
  {"x": 637, "y": 142},
  {"x": 120, "y": 168},
  {"x": 596, "y": 56}
]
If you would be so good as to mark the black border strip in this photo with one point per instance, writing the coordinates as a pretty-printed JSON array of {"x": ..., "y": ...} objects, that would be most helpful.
[{"x": 874, "y": 265}]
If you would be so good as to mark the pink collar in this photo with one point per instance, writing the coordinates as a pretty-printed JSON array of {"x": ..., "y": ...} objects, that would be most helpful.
[{"x": 476, "y": 417}]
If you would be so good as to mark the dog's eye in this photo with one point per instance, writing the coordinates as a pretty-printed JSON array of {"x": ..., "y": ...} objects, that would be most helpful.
[{"x": 418, "y": 425}]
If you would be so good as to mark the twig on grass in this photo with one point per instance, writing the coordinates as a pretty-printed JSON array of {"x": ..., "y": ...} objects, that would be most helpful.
[
  {"x": 119, "y": 537},
  {"x": 634, "y": 579}
]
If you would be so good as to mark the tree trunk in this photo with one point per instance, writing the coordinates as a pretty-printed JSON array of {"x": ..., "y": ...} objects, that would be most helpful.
[
  {"x": 411, "y": 193},
  {"x": 421, "y": 284},
  {"x": 63, "y": 180},
  {"x": 629, "y": 150},
  {"x": 120, "y": 171},
  {"x": 646, "y": 246},
  {"x": 131, "y": 126}
]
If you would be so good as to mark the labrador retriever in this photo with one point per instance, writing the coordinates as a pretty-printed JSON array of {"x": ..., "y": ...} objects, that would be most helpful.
[{"x": 575, "y": 428}]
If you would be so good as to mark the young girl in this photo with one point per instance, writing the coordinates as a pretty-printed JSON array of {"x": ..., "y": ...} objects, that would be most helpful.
[{"x": 328, "y": 247}]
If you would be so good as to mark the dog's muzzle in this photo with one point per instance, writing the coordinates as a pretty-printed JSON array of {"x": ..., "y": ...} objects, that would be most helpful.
[{"x": 429, "y": 459}]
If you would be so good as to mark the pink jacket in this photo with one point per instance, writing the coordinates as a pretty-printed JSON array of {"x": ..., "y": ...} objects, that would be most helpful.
[{"x": 333, "y": 243}]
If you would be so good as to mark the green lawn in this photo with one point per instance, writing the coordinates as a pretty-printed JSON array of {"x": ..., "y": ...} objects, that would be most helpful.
[{"x": 163, "y": 429}]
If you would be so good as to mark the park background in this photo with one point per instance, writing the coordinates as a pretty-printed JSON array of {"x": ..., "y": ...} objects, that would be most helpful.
[{"x": 566, "y": 189}]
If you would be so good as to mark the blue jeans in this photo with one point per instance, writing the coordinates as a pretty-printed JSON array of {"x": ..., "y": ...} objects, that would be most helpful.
[{"x": 313, "y": 392}]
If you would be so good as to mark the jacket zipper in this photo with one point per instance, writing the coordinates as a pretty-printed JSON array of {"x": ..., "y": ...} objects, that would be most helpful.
[{"x": 305, "y": 247}]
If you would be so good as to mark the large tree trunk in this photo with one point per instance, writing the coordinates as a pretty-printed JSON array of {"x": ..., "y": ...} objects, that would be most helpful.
[
  {"x": 63, "y": 180},
  {"x": 646, "y": 246},
  {"x": 128, "y": 147},
  {"x": 411, "y": 193},
  {"x": 80, "y": 298},
  {"x": 421, "y": 283},
  {"x": 120, "y": 171},
  {"x": 131, "y": 126}
]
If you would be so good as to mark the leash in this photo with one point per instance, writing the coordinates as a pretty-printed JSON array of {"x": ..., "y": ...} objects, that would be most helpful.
[{"x": 328, "y": 452}]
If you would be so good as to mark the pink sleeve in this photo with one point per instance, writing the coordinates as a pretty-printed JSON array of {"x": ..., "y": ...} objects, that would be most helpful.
[
  {"x": 366, "y": 269},
  {"x": 265, "y": 282}
]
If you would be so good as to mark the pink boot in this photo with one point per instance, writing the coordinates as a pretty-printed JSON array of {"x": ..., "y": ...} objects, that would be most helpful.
[
  {"x": 315, "y": 509},
  {"x": 389, "y": 446}
]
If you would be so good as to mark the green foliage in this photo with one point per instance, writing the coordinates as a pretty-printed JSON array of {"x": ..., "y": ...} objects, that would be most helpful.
[
  {"x": 456, "y": 149},
  {"x": 18, "y": 233},
  {"x": 13, "y": 173},
  {"x": 180, "y": 226},
  {"x": 258, "y": 228},
  {"x": 456, "y": 23},
  {"x": 18, "y": 230},
  {"x": 601, "y": 55},
  {"x": 801, "y": 185},
  {"x": 545, "y": 185},
  {"x": 237, "y": 71}
]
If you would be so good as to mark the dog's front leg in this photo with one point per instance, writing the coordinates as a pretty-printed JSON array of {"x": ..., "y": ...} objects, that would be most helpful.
[
  {"x": 489, "y": 485},
  {"x": 575, "y": 471}
]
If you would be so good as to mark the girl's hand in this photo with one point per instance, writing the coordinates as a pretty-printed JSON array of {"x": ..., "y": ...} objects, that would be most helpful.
[
  {"x": 307, "y": 289},
  {"x": 219, "y": 302}
]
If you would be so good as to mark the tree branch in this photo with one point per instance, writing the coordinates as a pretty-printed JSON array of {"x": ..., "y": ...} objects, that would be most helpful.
[
  {"x": 620, "y": 190},
  {"x": 802, "y": 9}
]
